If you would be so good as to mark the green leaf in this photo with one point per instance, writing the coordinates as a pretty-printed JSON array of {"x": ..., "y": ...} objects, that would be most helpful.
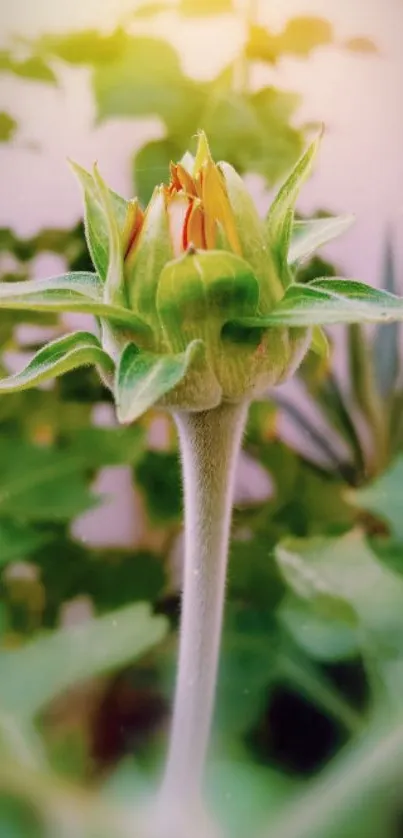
[
  {"x": 328, "y": 301},
  {"x": 96, "y": 447},
  {"x": 386, "y": 352},
  {"x": 143, "y": 378},
  {"x": 151, "y": 166},
  {"x": 86, "y": 47},
  {"x": 343, "y": 578},
  {"x": 274, "y": 110},
  {"x": 262, "y": 45},
  {"x": 308, "y": 236},
  {"x": 325, "y": 638},
  {"x": 18, "y": 541},
  {"x": 384, "y": 497},
  {"x": 303, "y": 34},
  {"x": 35, "y": 69},
  {"x": 8, "y": 127},
  {"x": 96, "y": 222},
  {"x": 280, "y": 217},
  {"x": 17, "y": 818},
  {"x": 56, "y": 662},
  {"x": 158, "y": 475},
  {"x": 40, "y": 484},
  {"x": 128, "y": 578},
  {"x": 56, "y": 358},
  {"x": 147, "y": 79},
  {"x": 81, "y": 292},
  {"x": 241, "y": 793},
  {"x": 246, "y": 670},
  {"x": 238, "y": 126}
]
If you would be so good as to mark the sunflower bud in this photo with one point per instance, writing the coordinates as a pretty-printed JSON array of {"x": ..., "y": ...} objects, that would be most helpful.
[{"x": 190, "y": 266}]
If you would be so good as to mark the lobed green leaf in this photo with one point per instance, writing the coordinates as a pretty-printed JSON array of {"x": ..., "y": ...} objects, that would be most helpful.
[
  {"x": 56, "y": 358},
  {"x": 82, "y": 292},
  {"x": 328, "y": 301}
]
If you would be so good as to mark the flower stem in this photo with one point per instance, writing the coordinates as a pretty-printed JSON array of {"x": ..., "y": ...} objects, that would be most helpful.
[{"x": 210, "y": 443}]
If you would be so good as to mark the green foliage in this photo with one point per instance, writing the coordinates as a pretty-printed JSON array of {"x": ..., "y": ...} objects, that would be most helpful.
[
  {"x": 18, "y": 540},
  {"x": 343, "y": 581},
  {"x": 300, "y": 37},
  {"x": 40, "y": 484},
  {"x": 33, "y": 68},
  {"x": 383, "y": 498},
  {"x": 53, "y": 664},
  {"x": 147, "y": 79},
  {"x": 372, "y": 397},
  {"x": 305, "y": 618},
  {"x": 85, "y": 47},
  {"x": 158, "y": 476},
  {"x": 8, "y": 127}
]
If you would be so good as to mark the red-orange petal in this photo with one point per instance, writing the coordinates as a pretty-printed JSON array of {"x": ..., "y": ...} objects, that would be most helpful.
[
  {"x": 193, "y": 227},
  {"x": 133, "y": 224}
]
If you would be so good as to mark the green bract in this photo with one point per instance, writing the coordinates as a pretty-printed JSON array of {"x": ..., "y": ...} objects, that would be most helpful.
[{"x": 196, "y": 296}]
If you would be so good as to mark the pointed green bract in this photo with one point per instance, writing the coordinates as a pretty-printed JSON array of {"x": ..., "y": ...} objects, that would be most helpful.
[
  {"x": 308, "y": 236},
  {"x": 56, "y": 358},
  {"x": 152, "y": 251},
  {"x": 280, "y": 217},
  {"x": 143, "y": 378},
  {"x": 95, "y": 220},
  {"x": 79, "y": 292},
  {"x": 327, "y": 301},
  {"x": 114, "y": 281},
  {"x": 320, "y": 343},
  {"x": 251, "y": 234}
]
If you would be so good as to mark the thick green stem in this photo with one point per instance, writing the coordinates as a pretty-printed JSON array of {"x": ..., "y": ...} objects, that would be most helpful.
[{"x": 210, "y": 443}]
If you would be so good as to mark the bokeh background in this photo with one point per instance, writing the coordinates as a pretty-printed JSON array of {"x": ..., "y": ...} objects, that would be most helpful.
[{"x": 90, "y": 515}]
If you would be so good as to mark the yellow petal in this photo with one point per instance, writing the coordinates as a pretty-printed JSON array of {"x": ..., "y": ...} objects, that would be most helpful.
[
  {"x": 216, "y": 203},
  {"x": 185, "y": 180},
  {"x": 203, "y": 153}
]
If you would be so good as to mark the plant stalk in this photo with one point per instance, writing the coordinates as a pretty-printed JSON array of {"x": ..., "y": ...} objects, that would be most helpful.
[{"x": 210, "y": 442}]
